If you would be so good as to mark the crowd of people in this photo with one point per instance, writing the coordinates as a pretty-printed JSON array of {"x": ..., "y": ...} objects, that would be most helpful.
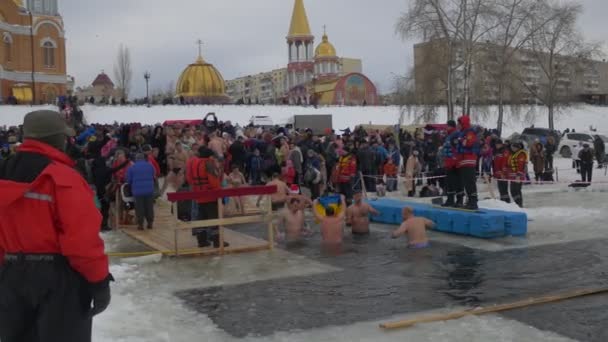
[{"x": 444, "y": 160}]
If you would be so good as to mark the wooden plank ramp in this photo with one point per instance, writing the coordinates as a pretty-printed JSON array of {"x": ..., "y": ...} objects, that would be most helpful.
[{"x": 163, "y": 237}]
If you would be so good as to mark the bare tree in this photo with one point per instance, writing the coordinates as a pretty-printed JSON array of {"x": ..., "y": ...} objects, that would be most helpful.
[
  {"x": 505, "y": 41},
  {"x": 559, "y": 51},
  {"x": 123, "y": 71},
  {"x": 436, "y": 20},
  {"x": 170, "y": 92}
]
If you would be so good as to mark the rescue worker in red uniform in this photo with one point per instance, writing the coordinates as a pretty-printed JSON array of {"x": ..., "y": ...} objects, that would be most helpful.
[
  {"x": 347, "y": 170},
  {"x": 468, "y": 152},
  {"x": 450, "y": 162},
  {"x": 54, "y": 274},
  {"x": 517, "y": 173},
  {"x": 500, "y": 164},
  {"x": 204, "y": 174}
]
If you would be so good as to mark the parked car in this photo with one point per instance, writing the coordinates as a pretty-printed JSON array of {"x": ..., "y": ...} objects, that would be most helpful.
[
  {"x": 529, "y": 135},
  {"x": 572, "y": 143}
]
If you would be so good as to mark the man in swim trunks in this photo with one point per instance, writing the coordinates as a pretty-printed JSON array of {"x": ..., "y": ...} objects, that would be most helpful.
[
  {"x": 357, "y": 215},
  {"x": 332, "y": 224},
  {"x": 278, "y": 198},
  {"x": 292, "y": 219},
  {"x": 415, "y": 227}
]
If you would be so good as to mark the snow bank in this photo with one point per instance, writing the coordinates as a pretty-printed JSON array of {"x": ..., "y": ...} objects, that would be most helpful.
[{"x": 579, "y": 118}]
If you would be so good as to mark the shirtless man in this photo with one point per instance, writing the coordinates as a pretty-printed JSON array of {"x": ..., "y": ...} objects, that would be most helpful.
[
  {"x": 332, "y": 224},
  {"x": 292, "y": 219},
  {"x": 357, "y": 215},
  {"x": 415, "y": 227},
  {"x": 278, "y": 198},
  {"x": 237, "y": 180},
  {"x": 217, "y": 144},
  {"x": 177, "y": 168}
]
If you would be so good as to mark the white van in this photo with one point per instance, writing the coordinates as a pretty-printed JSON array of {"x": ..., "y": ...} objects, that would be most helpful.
[{"x": 261, "y": 121}]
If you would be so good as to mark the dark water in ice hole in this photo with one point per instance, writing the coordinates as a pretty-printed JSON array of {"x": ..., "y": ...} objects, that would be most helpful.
[{"x": 379, "y": 278}]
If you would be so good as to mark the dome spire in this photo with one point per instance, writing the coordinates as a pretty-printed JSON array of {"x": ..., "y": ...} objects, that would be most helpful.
[{"x": 299, "y": 21}]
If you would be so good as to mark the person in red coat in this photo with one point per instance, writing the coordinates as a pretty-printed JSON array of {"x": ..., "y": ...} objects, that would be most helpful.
[
  {"x": 500, "y": 165},
  {"x": 517, "y": 171},
  {"x": 55, "y": 274},
  {"x": 468, "y": 152},
  {"x": 455, "y": 190}
]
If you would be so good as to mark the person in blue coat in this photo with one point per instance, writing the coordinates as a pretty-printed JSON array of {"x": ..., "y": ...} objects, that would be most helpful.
[{"x": 140, "y": 177}]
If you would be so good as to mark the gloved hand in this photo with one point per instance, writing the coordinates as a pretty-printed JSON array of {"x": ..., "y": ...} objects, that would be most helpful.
[{"x": 100, "y": 293}]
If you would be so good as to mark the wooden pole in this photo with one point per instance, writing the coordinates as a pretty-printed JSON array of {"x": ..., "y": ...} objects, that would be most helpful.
[
  {"x": 492, "y": 309},
  {"x": 220, "y": 215},
  {"x": 117, "y": 211},
  {"x": 176, "y": 229},
  {"x": 490, "y": 186},
  {"x": 363, "y": 189},
  {"x": 270, "y": 223}
]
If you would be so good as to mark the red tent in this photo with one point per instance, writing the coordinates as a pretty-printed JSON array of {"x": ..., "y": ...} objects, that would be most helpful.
[{"x": 183, "y": 122}]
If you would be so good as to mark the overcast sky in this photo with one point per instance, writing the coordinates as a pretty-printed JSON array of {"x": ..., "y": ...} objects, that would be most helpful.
[{"x": 241, "y": 36}]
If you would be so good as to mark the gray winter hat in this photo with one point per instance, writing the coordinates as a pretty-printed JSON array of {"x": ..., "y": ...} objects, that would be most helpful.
[{"x": 45, "y": 123}]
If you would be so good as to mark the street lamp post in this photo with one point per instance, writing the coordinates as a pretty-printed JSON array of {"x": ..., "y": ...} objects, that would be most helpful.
[{"x": 147, "y": 77}]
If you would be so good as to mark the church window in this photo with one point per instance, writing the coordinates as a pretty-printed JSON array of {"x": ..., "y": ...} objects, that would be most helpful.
[{"x": 48, "y": 52}]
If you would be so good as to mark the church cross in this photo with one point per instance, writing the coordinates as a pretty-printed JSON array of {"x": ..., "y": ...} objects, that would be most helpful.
[{"x": 200, "y": 47}]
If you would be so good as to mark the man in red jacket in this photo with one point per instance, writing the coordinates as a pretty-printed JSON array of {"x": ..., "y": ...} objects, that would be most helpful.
[
  {"x": 468, "y": 152},
  {"x": 501, "y": 170},
  {"x": 53, "y": 265}
]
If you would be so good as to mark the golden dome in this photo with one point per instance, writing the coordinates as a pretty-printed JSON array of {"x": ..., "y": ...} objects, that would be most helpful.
[
  {"x": 325, "y": 49},
  {"x": 201, "y": 80}
]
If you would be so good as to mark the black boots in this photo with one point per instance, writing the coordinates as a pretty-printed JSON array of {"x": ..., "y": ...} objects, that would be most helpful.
[
  {"x": 472, "y": 203},
  {"x": 216, "y": 241},
  {"x": 450, "y": 202},
  {"x": 201, "y": 237},
  {"x": 459, "y": 201}
]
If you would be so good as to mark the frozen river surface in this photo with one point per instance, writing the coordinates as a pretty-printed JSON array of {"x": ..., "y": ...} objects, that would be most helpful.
[{"x": 306, "y": 294}]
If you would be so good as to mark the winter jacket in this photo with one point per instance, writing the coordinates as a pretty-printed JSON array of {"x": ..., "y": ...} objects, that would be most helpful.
[
  {"x": 501, "y": 163},
  {"x": 517, "y": 165},
  {"x": 155, "y": 165},
  {"x": 297, "y": 159},
  {"x": 395, "y": 156},
  {"x": 468, "y": 148},
  {"x": 238, "y": 153},
  {"x": 390, "y": 169},
  {"x": 586, "y": 156},
  {"x": 366, "y": 160},
  {"x": 46, "y": 207},
  {"x": 599, "y": 146},
  {"x": 203, "y": 175},
  {"x": 537, "y": 157},
  {"x": 101, "y": 174},
  {"x": 450, "y": 151},
  {"x": 347, "y": 168},
  {"x": 288, "y": 173},
  {"x": 141, "y": 178}
]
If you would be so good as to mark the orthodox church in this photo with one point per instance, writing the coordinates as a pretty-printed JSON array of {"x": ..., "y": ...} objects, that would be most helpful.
[
  {"x": 316, "y": 76},
  {"x": 32, "y": 51}
]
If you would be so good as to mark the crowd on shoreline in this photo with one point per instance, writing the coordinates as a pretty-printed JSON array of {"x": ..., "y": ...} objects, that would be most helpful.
[{"x": 343, "y": 162}]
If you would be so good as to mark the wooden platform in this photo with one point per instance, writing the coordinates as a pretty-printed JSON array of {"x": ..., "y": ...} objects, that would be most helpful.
[{"x": 165, "y": 238}]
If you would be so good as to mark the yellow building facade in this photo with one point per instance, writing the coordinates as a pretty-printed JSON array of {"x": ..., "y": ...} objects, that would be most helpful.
[{"x": 32, "y": 52}]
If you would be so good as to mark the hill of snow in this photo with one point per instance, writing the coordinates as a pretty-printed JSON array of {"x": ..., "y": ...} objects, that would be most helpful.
[{"x": 579, "y": 117}]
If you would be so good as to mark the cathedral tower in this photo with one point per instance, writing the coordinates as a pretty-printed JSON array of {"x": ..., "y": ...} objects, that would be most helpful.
[
  {"x": 43, "y": 7},
  {"x": 300, "y": 44}
]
